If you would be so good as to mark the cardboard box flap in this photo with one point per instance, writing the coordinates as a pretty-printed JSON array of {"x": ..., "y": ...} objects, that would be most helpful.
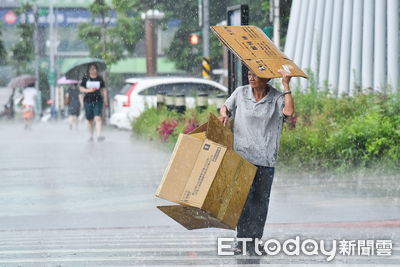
[
  {"x": 192, "y": 218},
  {"x": 218, "y": 133},
  {"x": 215, "y": 131},
  {"x": 176, "y": 174},
  {"x": 201, "y": 128},
  {"x": 256, "y": 50},
  {"x": 204, "y": 170}
]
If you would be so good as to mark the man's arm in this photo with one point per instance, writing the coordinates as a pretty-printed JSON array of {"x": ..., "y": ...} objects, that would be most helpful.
[
  {"x": 105, "y": 96},
  {"x": 288, "y": 109},
  {"x": 81, "y": 100}
]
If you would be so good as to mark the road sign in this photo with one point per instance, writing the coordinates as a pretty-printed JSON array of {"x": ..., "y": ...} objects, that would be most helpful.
[
  {"x": 43, "y": 12},
  {"x": 51, "y": 77}
]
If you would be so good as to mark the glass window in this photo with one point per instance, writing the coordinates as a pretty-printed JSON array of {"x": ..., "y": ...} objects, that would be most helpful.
[
  {"x": 149, "y": 91},
  {"x": 195, "y": 88},
  {"x": 125, "y": 89},
  {"x": 166, "y": 88}
]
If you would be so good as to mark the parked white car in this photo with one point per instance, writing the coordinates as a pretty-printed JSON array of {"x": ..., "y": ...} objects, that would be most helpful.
[{"x": 139, "y": 93}]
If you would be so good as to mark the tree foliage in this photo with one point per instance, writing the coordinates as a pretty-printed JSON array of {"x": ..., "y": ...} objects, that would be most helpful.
[
  {"x": 3, "y": 51},
  {"x": 111, "y": 43},
  {"x": 180, "y": 50},
  {"x": 23, "y": 50},
  {"x": 130, "y": 28}
]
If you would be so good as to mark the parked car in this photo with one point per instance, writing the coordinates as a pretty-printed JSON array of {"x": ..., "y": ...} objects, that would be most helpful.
[{"x": 139, "y": 93}]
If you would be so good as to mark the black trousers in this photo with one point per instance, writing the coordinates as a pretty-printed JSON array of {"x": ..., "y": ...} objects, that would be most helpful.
[{"x": 254, "y": 214}]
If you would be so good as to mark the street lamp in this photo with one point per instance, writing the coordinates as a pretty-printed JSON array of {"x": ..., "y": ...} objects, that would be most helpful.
[{"x": 150, "y": 17}]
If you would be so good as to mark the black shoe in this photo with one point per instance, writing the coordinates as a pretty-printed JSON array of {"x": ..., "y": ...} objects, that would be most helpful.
[
  {"x": 100, "y": 139},
  {"x": 237, "y": 249}
]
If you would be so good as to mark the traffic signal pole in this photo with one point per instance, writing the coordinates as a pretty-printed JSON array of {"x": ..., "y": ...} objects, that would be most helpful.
[
  {"x": 206, "y": 41},
  {"x": 36, "y": 46},
  {"x": 51, "y": 39}
]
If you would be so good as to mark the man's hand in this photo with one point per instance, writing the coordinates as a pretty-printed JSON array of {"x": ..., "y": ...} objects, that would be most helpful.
[
  {"x": 285, "y": 77},
  {"x": 223, "y": 119},
  {"x": 223, "y": 115}
]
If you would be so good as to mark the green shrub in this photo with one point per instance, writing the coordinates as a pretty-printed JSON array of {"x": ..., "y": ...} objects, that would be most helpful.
[
  {"x": 150, "y": 123},
  {"x": 343, "y": 133},
  {"x": 330, "y": 134}
]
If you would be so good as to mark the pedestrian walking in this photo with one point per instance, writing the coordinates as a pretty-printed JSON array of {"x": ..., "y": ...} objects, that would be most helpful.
[
  {"x": 259, "y": 111},
  {"x": 74, "y": 100},
  {"x": 93, "y": 86},
  {"x": 28, "y": 102}
]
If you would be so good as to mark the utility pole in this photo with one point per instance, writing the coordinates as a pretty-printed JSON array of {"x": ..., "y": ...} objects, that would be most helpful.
[
  {"x": 51, "y": 76},
  {"x": 36, "y": 45},
  {"x": 151, "y": 58},
  {"x": 150, "y": 21},
  {"x": 206, "y": 41}
]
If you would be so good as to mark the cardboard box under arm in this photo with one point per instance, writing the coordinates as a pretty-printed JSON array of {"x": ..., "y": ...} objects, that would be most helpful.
[
  {"x": 256, "y": 50},
  {"x": 207, "y": 178}
]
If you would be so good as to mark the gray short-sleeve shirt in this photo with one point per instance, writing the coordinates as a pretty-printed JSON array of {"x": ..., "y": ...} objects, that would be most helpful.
[{"x": 257, "y": 125}]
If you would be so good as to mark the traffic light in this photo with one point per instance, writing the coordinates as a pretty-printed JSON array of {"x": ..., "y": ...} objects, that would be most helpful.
[{"x": 194, "y": 39}]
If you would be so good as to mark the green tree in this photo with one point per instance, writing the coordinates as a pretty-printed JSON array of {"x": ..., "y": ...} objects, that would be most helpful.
[
  {"x": 3, "y": 51},
  {"x": 180, "y": 50},
  {"x": 23, "y": 50},
  {"x": 111, "y": 43},
  {"x": 130, "y": 29}
]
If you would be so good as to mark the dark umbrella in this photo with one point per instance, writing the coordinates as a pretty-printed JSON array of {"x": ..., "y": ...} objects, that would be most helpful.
[
  {"x": 79, "y": 67},
  {"x": 21, "y": 81}
]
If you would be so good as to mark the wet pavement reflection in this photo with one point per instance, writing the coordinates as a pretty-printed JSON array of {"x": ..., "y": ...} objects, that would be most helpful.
[{"x": 69, "y": 202}]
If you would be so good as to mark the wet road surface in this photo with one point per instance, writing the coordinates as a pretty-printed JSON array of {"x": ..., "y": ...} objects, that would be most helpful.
[{"x": 69, "y": 202}]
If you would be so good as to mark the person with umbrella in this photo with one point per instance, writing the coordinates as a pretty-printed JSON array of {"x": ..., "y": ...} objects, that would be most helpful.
[
  {"x": 93, "y": 86},
  {"x": 74, "y": 101},
  {"x": 28, "y": 104},
  {"x": 29, "y": 98}
]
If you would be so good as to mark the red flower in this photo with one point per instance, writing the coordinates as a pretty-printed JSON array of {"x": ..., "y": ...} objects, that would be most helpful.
[
  {"x": 166, "y": 128},
  {"x": 190, "y": 126}
]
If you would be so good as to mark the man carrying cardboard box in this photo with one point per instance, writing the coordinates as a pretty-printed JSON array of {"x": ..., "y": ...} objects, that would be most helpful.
[{"x": 259, "y": 111}]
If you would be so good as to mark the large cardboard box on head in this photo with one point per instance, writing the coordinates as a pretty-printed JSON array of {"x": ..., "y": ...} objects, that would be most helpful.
[
  {"x": 256, "y": 50},
  {"x": 207, "y": 178}
]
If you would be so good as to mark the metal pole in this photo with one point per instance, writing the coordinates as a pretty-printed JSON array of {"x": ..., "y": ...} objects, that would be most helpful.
[
  {"x": 317, "y": 40},
  {"x": 380, "y": 46},
  {"x": 335, "y": 44},
  {"x": 345, "y": 49},
  {"x": 51, "y": 38},
  {"x": 298, "y": 53},
  {"x": 308, "y": 40},
  {"x": 206, "y": 25},
  {"x": 393, "y": 45},
  {"x": 326, "y": 44},
  {"x": 356, "y": 47},
  {"x": 290, "y": 45},
  {"x": 368, "y": 46},
  {"x": 200, "y": 4},
  {"x": 206, "y": 41},
  {"x": 36, "y": 44}
]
